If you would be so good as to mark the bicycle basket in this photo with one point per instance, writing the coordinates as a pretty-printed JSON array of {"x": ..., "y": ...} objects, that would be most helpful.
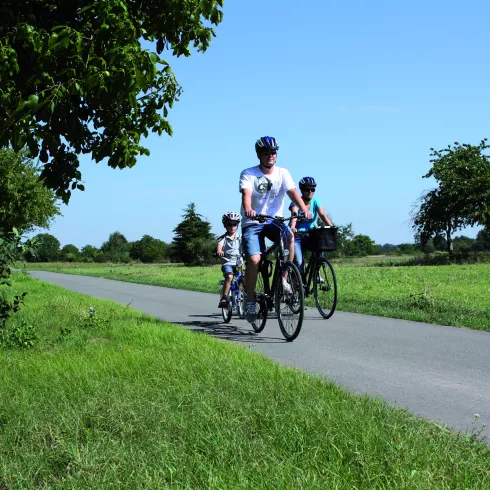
[{"x": 322, "y": 239}]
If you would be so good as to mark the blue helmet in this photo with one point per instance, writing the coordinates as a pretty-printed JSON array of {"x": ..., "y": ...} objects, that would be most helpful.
[
  {"x": 307, "y": 181},
  {"x": 266, "y": 143}
]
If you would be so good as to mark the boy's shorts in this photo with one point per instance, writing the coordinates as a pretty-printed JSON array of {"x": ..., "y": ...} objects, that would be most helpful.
[
  {"x": 228, "y": 269},
  {"x": 253, "y": 237}
]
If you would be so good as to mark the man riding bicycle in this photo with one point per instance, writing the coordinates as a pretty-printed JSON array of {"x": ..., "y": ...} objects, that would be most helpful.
[{"x": 263, "y": 189}]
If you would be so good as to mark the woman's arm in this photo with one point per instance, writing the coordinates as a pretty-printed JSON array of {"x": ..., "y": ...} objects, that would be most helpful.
[
  {"x": 324, "y": 216},
  {"x": 294, "y": 211}
]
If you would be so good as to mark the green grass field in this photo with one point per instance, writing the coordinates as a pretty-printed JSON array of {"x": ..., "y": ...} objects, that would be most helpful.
[
  {"x": 122, "y": 400},
  {"x": 457, "y": 295}
]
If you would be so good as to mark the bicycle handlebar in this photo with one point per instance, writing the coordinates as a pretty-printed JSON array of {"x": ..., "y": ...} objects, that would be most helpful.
[{"x": 262, "y": 217}]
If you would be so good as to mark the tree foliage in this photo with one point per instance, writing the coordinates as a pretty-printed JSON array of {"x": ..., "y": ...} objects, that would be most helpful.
[
  {"x": 76, "y": 79},
  {"x": 193, "y": 241},
  {"x": 47, "y": 249},
  {"x": 89, "y": 252},
  {"x": 148, "y": 249},
  {"x": 24, "y": 202},
  {"x": 69, "y": 253},
  {"x": 482, "y": 241},
  {"x": 462, "y": 197}
]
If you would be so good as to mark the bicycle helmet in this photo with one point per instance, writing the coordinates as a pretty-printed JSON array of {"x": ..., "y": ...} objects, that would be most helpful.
[
  {"x": 230, "y": 216},
  {"x": 307, "y": 181},
  {"x": 266, "y": 143}
]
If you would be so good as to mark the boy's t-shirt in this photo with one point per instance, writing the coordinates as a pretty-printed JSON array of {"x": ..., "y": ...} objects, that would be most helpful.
[
  {"x": 232, "y": 249},
  {"x": 268, "y": 191},
  {"x": 315, "y": 204}
]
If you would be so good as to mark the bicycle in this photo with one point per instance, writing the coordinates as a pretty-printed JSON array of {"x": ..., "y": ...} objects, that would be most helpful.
[
  {"x": 285, "y": 293},
  {"x": 320, "y": 279},
  {"x": 236, "y": 295}
]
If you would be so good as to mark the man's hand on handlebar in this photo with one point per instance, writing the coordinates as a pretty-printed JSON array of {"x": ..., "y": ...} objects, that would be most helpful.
[{"x": 250, "y": 213}]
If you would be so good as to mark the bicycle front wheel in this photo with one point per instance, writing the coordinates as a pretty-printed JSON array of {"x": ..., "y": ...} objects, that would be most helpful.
[
  {"x": 290, "y": 301},
  {"x": 261, "y": 305},
  {"x": 227, "y": 312},
  {"x": 240, "y": 299},
  {"x": 325, "y": 289}
]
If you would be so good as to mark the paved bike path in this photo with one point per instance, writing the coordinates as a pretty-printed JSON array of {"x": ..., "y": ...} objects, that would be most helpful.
[{"x": 440, "y": 373}]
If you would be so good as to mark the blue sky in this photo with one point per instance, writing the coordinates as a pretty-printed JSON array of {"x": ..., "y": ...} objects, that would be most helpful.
[{"x": 355, "y": 92}]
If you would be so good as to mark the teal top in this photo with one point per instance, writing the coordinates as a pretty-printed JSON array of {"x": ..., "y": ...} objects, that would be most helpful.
[{"x": 315, "y": 205}]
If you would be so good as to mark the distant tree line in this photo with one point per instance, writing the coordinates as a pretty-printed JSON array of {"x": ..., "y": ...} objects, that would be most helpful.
[{"x": 193, "y": 244}]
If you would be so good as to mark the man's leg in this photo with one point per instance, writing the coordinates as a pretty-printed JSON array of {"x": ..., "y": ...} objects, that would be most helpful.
[{"x": 251, "y": 276}]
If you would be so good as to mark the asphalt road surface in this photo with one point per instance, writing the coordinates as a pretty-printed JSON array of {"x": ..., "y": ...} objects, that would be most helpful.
[{"x": 440, "y": 373}]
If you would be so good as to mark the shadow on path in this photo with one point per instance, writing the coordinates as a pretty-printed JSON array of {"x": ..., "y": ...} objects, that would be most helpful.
[{"x": 227, "y": 331}]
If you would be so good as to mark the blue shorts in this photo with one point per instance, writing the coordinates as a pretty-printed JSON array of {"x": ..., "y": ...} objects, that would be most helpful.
[
  {"x": 228, "y": 269},
  {"x": 253, "y": 237}
]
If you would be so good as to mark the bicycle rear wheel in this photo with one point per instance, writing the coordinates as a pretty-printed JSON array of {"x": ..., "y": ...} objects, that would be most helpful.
[
  {"x": 261, "y": 305},
  {"x": 290, "y": 301},
  {"x": 325, "y": 289}
]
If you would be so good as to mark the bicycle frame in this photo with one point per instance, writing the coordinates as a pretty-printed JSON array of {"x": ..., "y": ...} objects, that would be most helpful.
[
  {"x": 265, "y": 261},
  {"x": 310, "y": 270},
  {"x": 234, "y": 287}
]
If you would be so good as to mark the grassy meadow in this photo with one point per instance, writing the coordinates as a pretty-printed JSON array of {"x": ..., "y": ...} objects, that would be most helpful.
[
  {"x": 457, "y": 295},
  {"x": 118, "y": 399}
]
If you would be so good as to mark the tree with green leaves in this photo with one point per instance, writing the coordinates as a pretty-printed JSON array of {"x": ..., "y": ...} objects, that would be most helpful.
[
  {"x": 47, "y": 249},
  {"x": 193, "y": 242},
  {"x": 116, "y": 246},
  {"x": 359, "y": 246},
  {"x": 89, "y": 252},
  {"x": 462, "y": 197},
  {"x": 69, "y": 253},
  {"x": 76, "y": 77},
  {"x": 149, "y": 249},
  {"x": 482, "y": 242},
  {"x": 24, "y": 202}
]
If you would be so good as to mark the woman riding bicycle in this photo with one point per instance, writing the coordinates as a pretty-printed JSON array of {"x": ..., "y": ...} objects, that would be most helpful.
[{"x": 307, "y": 186}]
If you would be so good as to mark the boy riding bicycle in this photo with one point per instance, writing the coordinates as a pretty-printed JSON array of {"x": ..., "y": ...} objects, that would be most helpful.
[
  {"x": 263, "y": 189},
  {"x": 230, "y": 250}
]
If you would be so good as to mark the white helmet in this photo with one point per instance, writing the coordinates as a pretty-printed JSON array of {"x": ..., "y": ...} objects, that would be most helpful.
[{"x": 230, "y": 216}]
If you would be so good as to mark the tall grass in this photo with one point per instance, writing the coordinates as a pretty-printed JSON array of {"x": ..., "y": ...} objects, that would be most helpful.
[{"x": 121, "y": 400}]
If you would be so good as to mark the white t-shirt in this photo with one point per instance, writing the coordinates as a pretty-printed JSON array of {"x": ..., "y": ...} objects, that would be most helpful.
[{"x": 268, "y": 191}]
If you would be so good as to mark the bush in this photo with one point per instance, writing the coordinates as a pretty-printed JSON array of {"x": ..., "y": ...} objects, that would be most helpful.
[{"x": 101, "y": 258}]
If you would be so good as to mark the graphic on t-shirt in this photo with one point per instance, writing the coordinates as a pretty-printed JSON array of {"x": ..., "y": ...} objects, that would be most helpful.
[{"x": 263, "y": 185}]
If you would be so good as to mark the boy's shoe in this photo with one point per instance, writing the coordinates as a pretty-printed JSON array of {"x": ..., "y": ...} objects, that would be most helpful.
[
  {"x": 223, "y": 303},
  {"x": 251, "y": 313}
]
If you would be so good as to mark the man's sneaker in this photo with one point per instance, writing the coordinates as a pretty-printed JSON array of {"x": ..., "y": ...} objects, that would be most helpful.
[
  {"x": 251, "y": 313},
  {"x": 223, "y": 303},
  {"x": 287, "y": 289}
]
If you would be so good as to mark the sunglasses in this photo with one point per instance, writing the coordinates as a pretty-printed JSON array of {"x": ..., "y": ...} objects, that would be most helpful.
[
  {"x": 268, "y": 152},
  {"x": 231, "y": 224},
  {"x": 309, "y": 189}
]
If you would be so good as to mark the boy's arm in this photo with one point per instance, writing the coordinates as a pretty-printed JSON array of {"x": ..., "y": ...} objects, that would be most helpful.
[{"x": 219, "y": 249}]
